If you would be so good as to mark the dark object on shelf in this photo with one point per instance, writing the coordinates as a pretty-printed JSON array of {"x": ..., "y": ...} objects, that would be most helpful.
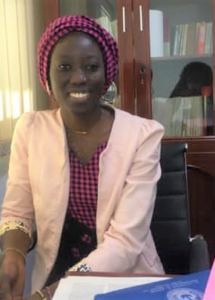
[{"x": 194, "y": 76}]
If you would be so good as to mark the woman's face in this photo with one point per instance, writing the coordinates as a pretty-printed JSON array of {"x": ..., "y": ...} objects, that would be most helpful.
[{"x": 77, "y": 73}]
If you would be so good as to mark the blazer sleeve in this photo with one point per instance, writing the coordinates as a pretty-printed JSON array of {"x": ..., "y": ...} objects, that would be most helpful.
[
  {"x": 17, "y": 204},
  {"x": 129, "y": 227}
]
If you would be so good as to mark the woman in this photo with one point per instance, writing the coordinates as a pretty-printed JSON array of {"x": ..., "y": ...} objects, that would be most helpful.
[{"x": 85, "y": 174}]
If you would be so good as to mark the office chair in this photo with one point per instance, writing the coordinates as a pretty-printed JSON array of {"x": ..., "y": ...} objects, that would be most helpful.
[{"x": 179, "y": 252}]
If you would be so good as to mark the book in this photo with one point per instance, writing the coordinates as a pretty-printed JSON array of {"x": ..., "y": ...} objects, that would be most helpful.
[
  {"x": 86, "y": 286},
  {"x": 180, "y": 38},
  {"x": 180, "y": 116},
  {"x": 191, "y": 39},
  {"x": 166, "y": 37},
  {"x": 201, "y": 38},
  {"x": 188, "y": 287},
  {"x": 176, "y": 40},
  {"x": 184, "y": 42},
  {"x": 208, "y": 38}
]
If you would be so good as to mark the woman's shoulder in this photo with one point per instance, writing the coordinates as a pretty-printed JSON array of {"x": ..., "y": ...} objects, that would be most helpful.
[
  {"x": 32, "y": 118},
  {"x": 131, "y": 129},
  {"x": 134, "y": 122}
]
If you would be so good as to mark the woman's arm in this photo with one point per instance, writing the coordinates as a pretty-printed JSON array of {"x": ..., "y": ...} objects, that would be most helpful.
[
  {"x": 17, "y": 214},
  {"x": 17, "y": 207}
]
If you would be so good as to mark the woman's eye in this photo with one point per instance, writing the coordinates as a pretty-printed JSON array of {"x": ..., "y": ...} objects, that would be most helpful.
[
  {"x": 64, "y": 67},
  {"x": 92, "y": 67}
]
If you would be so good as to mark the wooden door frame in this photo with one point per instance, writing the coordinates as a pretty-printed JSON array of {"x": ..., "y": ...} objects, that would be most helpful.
[
  {"x": 51, "y": 10},
  {"x": 213, "y": 7},
  {"x": 142, "y": 64},
  {"x": 126, "y": 60}
]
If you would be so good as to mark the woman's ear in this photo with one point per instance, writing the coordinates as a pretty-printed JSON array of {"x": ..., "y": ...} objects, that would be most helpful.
[
  {"x": 52, "y": 101},
  {"x": 48, "y": 89}
]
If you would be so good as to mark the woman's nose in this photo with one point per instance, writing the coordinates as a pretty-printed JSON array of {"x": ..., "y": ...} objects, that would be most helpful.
[{"x": 78, "y": 76}]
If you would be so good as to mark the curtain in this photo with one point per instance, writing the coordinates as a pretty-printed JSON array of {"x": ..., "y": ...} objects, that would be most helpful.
[{"x": 18, "y": 76}]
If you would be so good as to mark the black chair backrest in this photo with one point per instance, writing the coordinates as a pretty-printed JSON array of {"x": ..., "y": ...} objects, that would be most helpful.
[{"x": 171, "y": 222}]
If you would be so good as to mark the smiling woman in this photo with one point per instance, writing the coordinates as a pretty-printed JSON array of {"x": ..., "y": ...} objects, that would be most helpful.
[{"x": 77, "y": 172}]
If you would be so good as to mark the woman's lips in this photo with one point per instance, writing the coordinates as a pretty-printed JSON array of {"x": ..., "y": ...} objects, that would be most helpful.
[{"x": 79, "y": 96}]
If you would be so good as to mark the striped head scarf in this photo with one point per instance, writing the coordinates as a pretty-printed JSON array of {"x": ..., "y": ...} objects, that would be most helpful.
[{"x": 67, "y": 24}]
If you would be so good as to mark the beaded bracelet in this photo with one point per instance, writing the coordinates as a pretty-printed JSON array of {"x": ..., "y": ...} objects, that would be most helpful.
[
  {"x": 15, "y": 250},
  {"x": 80, "y": 267},
  {"x": 15, "y": 225}
]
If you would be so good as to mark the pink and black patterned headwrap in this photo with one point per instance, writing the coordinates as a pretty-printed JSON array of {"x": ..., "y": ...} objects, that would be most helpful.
[{"x": 64, "y": 25}]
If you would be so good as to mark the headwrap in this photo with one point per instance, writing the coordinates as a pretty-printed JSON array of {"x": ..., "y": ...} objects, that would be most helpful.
[{"x": 66, "y": 24}]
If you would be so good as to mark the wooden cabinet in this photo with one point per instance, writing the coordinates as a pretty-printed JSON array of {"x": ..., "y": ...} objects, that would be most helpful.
[{"x": 157, "y": 39}]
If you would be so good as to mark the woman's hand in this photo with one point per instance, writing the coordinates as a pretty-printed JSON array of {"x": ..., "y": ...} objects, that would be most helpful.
[
  {"x": 48, "y": 292},
  {"x": 12, "y": 276}
]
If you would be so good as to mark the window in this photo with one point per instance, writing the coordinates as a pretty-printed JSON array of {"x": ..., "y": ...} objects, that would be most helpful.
[{"x": 19, "y": 35}]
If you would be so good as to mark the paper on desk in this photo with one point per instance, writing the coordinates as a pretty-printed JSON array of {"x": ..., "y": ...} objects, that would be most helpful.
[{"x": 86, "y": 287}]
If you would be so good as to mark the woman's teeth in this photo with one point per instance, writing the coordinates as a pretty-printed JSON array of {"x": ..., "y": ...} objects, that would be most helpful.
[{"x": 79, "y": 95}]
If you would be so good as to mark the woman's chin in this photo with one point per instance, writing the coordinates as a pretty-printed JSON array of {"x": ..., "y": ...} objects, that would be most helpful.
[
  {"x": 82, "y": 106},
  {"x": 79, "y": 107}
]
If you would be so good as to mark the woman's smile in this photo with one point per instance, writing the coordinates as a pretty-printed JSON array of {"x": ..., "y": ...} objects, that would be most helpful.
[{"x": 79, "y": 97}]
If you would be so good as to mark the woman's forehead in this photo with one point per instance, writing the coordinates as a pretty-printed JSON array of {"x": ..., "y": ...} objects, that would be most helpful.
[{"x": 75, "y": 43}]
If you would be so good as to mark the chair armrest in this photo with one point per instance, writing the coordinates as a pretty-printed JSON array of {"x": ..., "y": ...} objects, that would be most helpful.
[{"x": 199, "y": 256}]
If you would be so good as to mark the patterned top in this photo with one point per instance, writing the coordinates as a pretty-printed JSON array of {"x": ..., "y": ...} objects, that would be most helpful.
[{"x": 78, "y": 237}]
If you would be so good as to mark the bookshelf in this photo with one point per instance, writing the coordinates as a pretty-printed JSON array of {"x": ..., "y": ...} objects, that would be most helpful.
[
  {"x": 181, "y": 57},
  {"x": 166, "y": 73}
]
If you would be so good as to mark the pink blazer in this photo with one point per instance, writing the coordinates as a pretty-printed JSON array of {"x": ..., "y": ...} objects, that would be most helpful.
[{"x": 38, "y": 191}]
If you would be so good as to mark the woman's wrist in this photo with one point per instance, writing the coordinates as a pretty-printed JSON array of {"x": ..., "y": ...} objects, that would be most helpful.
[
  {"x": 44, "y": 294},
  {"x": 15, "y": 239},
  {"x": 13, "y": 250}
]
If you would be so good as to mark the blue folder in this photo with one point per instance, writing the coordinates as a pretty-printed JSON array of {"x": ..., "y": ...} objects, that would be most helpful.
[{"x": 186, "y": 287}]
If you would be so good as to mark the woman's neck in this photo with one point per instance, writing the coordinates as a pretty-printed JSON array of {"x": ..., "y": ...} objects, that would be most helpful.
[{"x": 82, "y": 122}]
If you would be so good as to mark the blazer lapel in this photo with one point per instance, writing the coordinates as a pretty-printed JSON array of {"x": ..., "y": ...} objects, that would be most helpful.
[{"x": 115, "y": 162}]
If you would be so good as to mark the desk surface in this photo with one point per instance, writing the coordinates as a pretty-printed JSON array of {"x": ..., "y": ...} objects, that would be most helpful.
[{"x": 109, "y": 274}]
